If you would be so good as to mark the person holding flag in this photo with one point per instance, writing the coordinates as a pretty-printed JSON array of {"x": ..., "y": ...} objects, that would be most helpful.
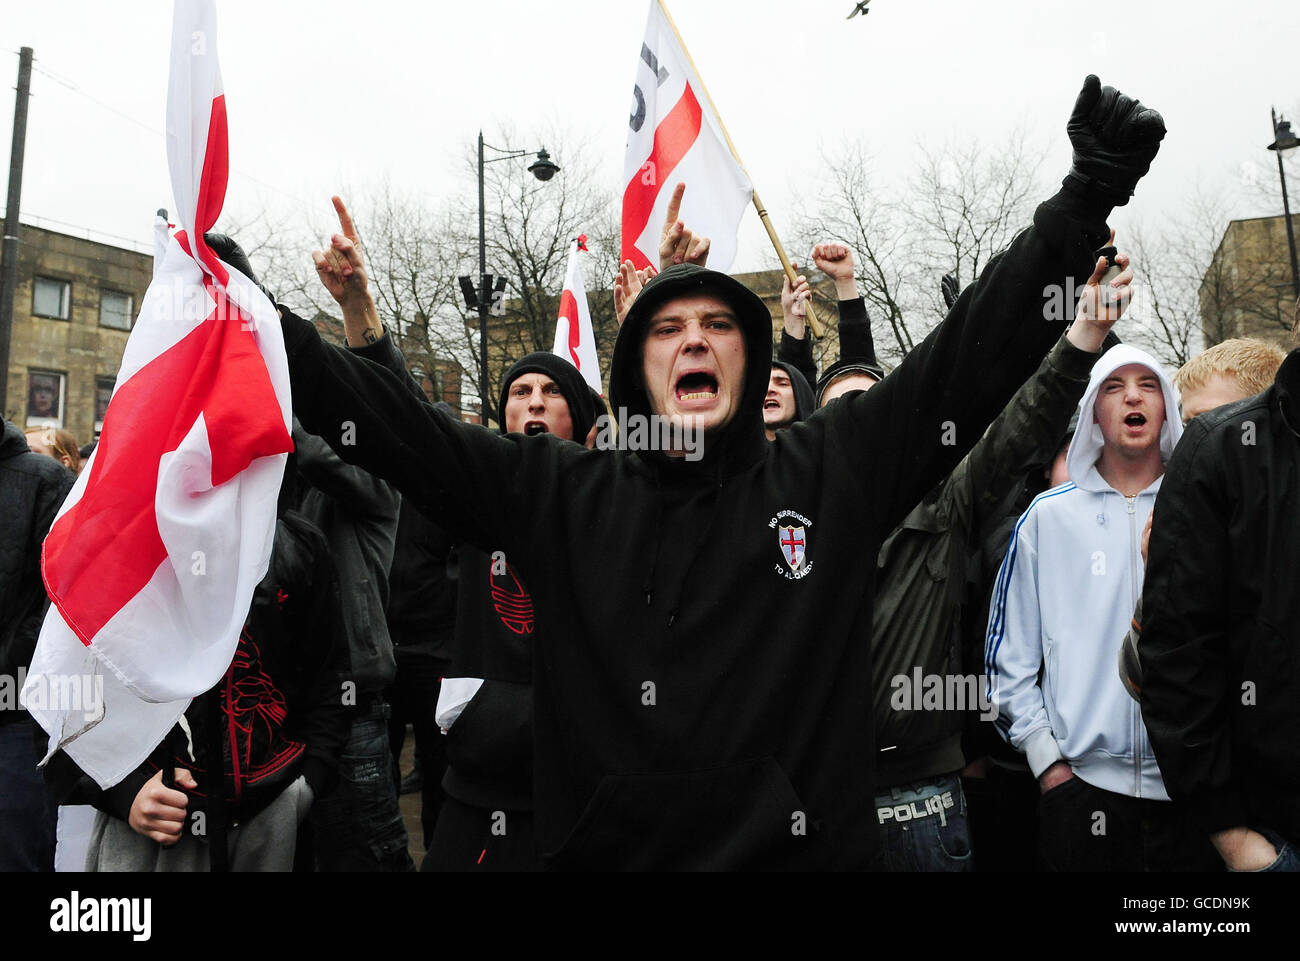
[
  {"x": 153, "y": 559},
  {"x": 666, "y": 730}
]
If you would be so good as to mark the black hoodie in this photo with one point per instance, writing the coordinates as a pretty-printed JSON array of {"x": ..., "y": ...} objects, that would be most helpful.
[
  {"x": 803, "y": 393},
  {"x": 703, "y": 684},
  {"x": 490, "y": 747}
]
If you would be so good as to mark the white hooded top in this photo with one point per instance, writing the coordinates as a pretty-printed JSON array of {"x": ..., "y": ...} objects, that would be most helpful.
[{"x": 1064, "y": 599}]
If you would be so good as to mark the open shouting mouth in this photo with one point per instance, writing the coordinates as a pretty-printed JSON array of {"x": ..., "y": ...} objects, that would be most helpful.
[
  {"x": 1136, "y": 420},
  {"x": 535, "y": 427},
  {"x": 696, "y": 386}
]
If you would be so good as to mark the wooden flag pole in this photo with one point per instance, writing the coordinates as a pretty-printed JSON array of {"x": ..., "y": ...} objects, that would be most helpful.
[{"x": 788, "y": 267}]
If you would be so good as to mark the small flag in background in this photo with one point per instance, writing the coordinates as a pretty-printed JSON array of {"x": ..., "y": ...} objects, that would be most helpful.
[
  {"x": 574, "y": 339},
  {"x": 152, "y": 560},
  {"x": 675, "y": 137}
]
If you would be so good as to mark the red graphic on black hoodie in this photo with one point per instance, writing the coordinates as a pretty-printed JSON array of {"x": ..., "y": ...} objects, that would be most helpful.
[
  {"x": 513, "y": 603},
  {"x": 255, "y": 713}
]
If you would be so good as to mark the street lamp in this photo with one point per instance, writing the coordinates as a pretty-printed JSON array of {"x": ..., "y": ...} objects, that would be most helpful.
[
  {"x": 543, "y": 168},
  {"x": 1284, "y": 139}
]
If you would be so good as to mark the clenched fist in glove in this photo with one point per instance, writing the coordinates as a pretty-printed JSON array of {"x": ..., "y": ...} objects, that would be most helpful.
[{"x": 1114, "y": 138}]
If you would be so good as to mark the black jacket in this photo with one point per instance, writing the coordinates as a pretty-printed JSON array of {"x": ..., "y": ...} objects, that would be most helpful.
[
  {"x": 32, "y": 489},
  {"x": 278, "y": 713},
  {"x": 1220, "y": 644},
  {"x": 701, "y": 701},
  {"x": 358, "y": 514}
]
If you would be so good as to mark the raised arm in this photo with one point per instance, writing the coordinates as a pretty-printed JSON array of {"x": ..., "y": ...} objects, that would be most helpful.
[
  {"x": 936, "y": 405},
  {"x": 1029, "y": 429}
]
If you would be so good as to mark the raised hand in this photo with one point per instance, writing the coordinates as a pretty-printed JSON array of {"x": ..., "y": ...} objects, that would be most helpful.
[
  {"x": 836, "y": 262},
  {"x": 1114, "y": 138},
  {"x": 794, "y": 302},
  {"x": 1099, "y": 307},
  {"x": 627, "y": 285},
  {"x": 342, "y": 270},
  {"x": 677, "y": 243}
]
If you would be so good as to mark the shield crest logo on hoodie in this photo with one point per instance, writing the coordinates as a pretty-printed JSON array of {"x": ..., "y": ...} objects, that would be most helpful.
[{"x": 793, "y": 543}]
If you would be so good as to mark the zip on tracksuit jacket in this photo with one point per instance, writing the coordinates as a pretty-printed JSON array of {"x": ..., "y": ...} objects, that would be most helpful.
[
  {"x": 699, "y": 687},
  {"x": 1064, "y": 595}
]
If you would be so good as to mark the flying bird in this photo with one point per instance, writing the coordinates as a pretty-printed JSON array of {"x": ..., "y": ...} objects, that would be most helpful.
[{"x": 859, "y": 8}]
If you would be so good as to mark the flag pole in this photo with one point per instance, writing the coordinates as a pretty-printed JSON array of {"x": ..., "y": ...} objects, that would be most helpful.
[{"x": 758, "y": 204}]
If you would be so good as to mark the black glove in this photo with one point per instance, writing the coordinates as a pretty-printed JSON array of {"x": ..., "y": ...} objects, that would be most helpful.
[
  {"x": 225, "y": 247},
  {"x": 1114, "y": 138},
  {"x": 948, "y": 287}
]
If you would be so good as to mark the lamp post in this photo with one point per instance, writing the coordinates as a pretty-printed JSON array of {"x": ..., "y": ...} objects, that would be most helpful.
[
  {"x": 1284, "y": 139},
  {"x": 543, "y": 168}
]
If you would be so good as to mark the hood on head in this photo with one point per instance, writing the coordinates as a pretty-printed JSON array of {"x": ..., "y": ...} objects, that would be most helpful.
[
  {"x": 1086, "y": 445},
  {"x": 13, "y": 441},
  {"x": 803, "y": 393},
  {"x": 569, "y": 380},
  {"x": 626, "y": 382}
]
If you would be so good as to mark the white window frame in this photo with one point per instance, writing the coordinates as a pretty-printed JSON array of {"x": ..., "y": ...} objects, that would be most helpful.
[
  {"x": 65, "y": 299},
  {"x": 130, "y": 308}
]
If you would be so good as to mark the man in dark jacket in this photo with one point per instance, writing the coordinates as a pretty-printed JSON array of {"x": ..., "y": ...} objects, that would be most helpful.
[
  {"x": 32, "y": 488},
  {"x": 254, "y": 751},
  {"x": 789, "y": 398},
  {"x": 1220, "y": 640},
  {"x": 917, "y": 627},
  {"x": 487, "y": 711},
  {"x": 676, "y": 727}
]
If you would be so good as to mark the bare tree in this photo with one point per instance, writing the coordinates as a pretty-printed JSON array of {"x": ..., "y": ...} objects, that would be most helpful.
[{"x": 960, "y": 208}]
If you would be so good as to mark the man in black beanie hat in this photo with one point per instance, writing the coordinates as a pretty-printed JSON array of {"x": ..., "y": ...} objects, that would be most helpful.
[
  {"x": 698, "y": 691},
  {"x": 485, "y": 706}
]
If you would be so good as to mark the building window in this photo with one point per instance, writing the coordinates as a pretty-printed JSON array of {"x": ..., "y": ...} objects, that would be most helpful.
[
  {"x": 50, "y": 298},
  {"x": 115, "y": 310},
  {"x": 45, "y": 394},
  {"x": 103, "y": 391}
]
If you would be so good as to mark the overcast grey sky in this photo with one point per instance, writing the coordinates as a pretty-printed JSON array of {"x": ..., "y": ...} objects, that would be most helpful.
[{"x": 328, "y": 94}]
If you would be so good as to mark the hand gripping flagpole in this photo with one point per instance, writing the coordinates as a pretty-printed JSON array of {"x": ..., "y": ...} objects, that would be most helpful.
[{"x": 788, "y": 267}]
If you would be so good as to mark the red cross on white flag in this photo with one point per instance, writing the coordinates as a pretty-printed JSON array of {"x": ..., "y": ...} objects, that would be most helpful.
[
  {"x": 675, "y": 137},
  {"x": 152, "y": 561},
  {"x": 574, "y": 339}
]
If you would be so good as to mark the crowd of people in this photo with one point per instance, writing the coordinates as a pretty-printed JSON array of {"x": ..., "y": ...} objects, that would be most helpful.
[{"x": 890, "y": 620}]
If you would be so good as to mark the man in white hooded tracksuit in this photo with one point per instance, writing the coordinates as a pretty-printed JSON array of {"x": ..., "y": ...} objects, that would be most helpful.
[{"x": 1066, "y": 590}]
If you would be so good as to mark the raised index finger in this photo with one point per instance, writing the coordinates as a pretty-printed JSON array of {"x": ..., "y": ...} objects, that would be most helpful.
[
  {"x": 345, "y": 219},
  {"x": 675, "y": 204}
]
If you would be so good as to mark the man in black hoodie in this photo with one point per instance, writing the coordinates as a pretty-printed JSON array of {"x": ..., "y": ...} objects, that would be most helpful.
[
  {"x": 487, "y": 705},
  {"x": 682, "y": 717},
  {"x": 789, "y": 398}
]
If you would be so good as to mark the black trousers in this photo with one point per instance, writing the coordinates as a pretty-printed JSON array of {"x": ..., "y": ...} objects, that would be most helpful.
[
  {"x": 1084, "y": 828},
  {"x": 474, "y": 839},
  {"x": 1003, "y": 807}
]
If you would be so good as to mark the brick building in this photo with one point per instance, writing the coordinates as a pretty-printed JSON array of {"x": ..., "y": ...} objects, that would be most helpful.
[
  {"x": 74, "y": 304},
  {"x": 1247, "y": 290}
]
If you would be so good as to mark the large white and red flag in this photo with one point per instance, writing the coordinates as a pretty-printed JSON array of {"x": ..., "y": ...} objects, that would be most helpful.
[
  {"x": 574, "y": 339},
  {"x": 152, "y": 561},
  {"x": 674, "y": 137}
]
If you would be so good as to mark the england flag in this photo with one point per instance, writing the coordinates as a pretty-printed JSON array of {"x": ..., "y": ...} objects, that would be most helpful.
[
  {"x": 152, "y": 561},
  {"x": 674, "y": 137},
  {"x": 574, "y": 339}
]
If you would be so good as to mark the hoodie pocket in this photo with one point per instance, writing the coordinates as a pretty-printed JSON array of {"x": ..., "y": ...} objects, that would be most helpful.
[
  {"x": 745, "y": 816},
  {"x": 493, "y": 737},
  {"x": 1051, "y": 655}
]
